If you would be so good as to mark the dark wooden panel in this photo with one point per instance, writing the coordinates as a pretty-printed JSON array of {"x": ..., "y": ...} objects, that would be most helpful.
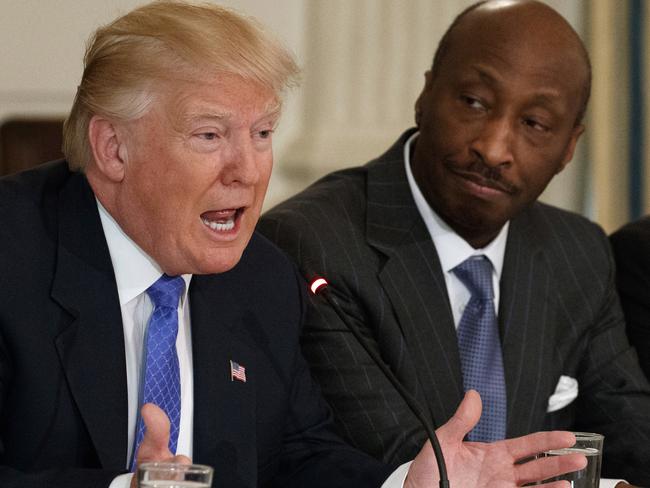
[{"x": 24, "y": 143}]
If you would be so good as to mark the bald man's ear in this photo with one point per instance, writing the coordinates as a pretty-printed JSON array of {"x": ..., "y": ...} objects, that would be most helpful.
[
  {"x": 571, "y": 147},
  {"x": 109, "y": 151}
]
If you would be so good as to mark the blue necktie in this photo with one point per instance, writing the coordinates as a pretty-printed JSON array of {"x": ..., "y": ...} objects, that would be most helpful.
[
  {"x": 480, "y": 349},
  {"x": 161, "y": 382}
]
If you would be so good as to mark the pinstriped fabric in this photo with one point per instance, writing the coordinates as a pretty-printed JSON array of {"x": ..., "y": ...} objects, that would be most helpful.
[
  {"x": 523, "y": 279},
  {"x": 558, "y": 315}
]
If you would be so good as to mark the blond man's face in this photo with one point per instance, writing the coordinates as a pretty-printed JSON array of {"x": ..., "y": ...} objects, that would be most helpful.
[{"x": 197, "y": 169}]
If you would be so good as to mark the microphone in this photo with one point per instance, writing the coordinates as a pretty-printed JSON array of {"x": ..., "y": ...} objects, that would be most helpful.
[{"x": 319, "y": 286}]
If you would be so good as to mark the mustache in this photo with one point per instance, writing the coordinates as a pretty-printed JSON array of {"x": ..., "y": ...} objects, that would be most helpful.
[{"x": 484, "y": 175}]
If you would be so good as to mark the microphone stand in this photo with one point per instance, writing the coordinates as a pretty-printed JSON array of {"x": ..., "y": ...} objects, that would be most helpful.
[{"x": 319, "y": 286}]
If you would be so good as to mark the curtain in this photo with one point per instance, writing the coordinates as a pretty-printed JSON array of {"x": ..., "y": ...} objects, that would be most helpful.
[{"x": 618, "y": 155}]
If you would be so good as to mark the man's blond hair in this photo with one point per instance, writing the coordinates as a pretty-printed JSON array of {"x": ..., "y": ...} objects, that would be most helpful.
[{"x": 167, "y": 40}]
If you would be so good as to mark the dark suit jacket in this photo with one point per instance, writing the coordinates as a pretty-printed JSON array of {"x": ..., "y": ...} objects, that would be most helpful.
[
  {"x": 631, "y": 246},
  {"x": 63, "y": 404},
  {"x": 559, "y": 315}
]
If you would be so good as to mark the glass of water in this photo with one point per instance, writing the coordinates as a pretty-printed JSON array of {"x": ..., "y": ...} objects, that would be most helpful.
[
  {"x": 591, "y": 446},
  {"x": 174, "y": 475}
]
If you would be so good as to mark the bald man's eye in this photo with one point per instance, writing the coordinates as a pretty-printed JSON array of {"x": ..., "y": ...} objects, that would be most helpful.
[
  {"x": 536, "y": 125},
  {"x": 473, "y": 102}
]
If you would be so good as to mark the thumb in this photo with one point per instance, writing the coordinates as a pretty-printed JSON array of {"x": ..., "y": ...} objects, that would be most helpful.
[
  {"x": 155, "y": 444},
  {"x": 466, "y": 417}
]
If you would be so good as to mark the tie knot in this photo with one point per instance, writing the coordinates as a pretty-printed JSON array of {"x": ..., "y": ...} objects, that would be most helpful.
[
  {"x": 166, "y": 291},
  {"x": 476, "y": 274}
]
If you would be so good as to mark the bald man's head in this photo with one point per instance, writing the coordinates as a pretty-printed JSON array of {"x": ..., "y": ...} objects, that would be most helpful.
[
  {"x": 518, "y": 21},
  {"x": 499, "y": 115}
]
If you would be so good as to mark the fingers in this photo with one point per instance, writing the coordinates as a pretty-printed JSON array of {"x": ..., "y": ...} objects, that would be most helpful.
[
  {"x": 155, "y": 444},
  {"x": 529, "y": 445},
  {"x": 549, "y": 467},
  {"x": 466, "y": 417}
]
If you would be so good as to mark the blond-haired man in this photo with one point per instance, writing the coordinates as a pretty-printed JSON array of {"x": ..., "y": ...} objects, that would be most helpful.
[{"x": 142, "y": 318}]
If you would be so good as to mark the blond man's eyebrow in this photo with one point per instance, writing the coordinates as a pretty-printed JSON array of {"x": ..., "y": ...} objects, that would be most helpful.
[
  {"x": 273, "y": 110},
  {"x": 200, "y": 115}
]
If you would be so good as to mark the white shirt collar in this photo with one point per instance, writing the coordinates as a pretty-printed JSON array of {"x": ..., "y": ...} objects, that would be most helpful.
[
  {"x": 135, "y": 270},
  {"x": 452, "y": 249}
]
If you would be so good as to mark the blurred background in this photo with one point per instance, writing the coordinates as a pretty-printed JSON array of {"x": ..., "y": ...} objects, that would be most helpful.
[{"x": 363, "y": 66}]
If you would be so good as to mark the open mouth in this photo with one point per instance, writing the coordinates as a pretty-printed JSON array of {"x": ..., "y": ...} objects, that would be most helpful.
[{"x": 222, "y": 220}]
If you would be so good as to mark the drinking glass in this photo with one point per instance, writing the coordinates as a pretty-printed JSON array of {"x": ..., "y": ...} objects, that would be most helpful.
[
  {"x": 591, "y": 446},
  {"x": 174, "y": 475}
]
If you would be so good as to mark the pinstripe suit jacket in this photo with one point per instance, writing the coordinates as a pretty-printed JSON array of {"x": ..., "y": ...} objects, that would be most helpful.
[{"x": 559, "y": 315}]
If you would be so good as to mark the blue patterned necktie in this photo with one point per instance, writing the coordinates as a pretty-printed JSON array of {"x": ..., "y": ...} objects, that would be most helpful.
[
  {"x": 161, "y": 382},
  {"x": 480, "y": 349}
]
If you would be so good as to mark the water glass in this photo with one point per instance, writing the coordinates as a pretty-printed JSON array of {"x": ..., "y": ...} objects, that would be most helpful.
[
  {"x": 174, "y": 475},
  {"x": 590, "y": 445}
]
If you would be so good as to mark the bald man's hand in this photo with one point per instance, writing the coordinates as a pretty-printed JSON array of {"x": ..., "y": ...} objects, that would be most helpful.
[
  {"x": 491, "y": 465},
  {"x": 155, "y": 444}
]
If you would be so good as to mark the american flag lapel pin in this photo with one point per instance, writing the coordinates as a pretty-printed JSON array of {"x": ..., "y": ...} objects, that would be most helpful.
[{"x": 237, "y": 372}]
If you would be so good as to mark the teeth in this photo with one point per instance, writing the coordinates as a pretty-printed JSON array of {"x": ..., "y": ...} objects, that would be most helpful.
[{"x": 220, "y": 226}]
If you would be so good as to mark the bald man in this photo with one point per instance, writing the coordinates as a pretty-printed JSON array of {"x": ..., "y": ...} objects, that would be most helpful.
[{"x": 457, "y": 277}]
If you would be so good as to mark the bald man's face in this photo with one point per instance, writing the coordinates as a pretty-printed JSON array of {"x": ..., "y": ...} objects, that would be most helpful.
[{"x": 497, "y": 121}]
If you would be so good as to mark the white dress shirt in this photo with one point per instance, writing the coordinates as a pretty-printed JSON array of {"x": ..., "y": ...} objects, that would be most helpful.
[
  {"x": 134, "y": 272},
  {"x": 453, "y": 250}
]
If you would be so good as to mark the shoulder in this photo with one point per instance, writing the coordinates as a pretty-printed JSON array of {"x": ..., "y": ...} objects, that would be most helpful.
[
  {"x": 569, "y": 241},
  {"x": 631, "y": 247},
  {"x": 632, "y": 237},
  {"x": 327, "y": 213},
  {"x": 29, "y": 231},
  {"x": 336, "y": 206},
  {"x": 29, "y": 200},
  {"x": 344, "y": 193},
  {"x": 559, "y": 227},
  {"x": 330, "y": 194},
  {"x": 32, "y": 185}
]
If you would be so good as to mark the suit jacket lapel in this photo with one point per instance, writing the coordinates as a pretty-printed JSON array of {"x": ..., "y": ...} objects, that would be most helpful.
[
  {"x": 91, "y": 345},
  {"x": 414, "y": 283},
  {"x": 527, "y": 334},
  {"x": 224, "y": 409}
]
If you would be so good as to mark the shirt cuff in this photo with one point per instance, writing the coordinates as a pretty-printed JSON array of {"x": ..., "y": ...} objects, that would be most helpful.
[
  {"x": 607, "y": 483},
  {"x": 396, "y": 479},
  {"x": 122, "y": 481}
]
